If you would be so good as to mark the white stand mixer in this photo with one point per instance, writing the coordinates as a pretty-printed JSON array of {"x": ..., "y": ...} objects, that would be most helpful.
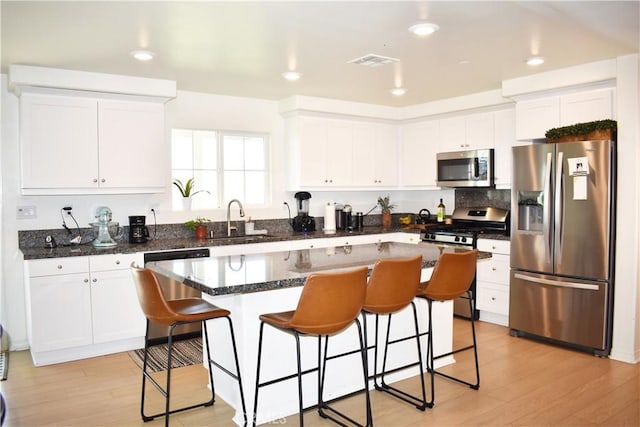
[{"x": 104, "y": 240}]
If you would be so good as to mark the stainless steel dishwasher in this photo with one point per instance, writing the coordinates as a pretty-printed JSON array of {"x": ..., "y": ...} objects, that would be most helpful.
[{"x": 175, "y": 290}]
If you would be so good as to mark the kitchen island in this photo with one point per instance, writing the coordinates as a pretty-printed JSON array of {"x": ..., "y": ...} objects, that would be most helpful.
[{"x": 252, "y": 284}]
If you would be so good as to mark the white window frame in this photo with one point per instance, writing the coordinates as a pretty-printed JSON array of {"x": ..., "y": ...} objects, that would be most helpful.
[{"x": 222, "y": 199}]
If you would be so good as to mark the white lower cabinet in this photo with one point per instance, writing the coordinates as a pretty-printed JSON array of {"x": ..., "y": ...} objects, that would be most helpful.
[
  {"x": 80, "y": 307},
  {"x": 492, "y": 282}
]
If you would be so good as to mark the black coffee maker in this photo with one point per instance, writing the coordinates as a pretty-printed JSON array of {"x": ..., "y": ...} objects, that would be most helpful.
[
  {"x": 302, "y": 221},
  {"x": 138, "y": 232}
]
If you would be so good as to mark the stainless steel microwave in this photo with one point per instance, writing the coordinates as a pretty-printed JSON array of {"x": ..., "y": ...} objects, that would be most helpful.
[{"x": 472, "y": 168}]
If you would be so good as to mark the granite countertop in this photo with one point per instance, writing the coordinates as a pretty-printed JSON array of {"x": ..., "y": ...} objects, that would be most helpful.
[
  {"x": 87, "y": 249},
  {"x": 239, "y": 274}
]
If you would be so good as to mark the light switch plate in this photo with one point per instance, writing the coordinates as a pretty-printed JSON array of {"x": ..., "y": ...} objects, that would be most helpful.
[{"x": 26, "y": 212}]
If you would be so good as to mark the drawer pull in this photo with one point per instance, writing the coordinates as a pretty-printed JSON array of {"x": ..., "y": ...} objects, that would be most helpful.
[
  {"x": 59, "y": 267},
  {"x": 117, "y": 262},
  {"x": 493, "y": 269},
  {"x": 493, "y": 298}
]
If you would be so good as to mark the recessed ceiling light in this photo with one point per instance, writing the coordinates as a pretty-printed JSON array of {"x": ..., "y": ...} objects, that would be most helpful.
[
  {"x": 398, "y": 91},
  {"x": 423, "y": 28},
  {"x": 143, "y": 55},
  {"x": 292, "y": 75},
  {"x": 535, "y": 60}
]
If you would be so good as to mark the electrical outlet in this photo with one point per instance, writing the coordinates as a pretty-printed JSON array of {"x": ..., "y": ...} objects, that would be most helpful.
[{"x": 26, "y": 212}]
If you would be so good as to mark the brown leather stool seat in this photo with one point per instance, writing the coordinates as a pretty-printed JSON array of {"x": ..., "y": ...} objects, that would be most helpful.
[
  {"x": 451, "y": 278},
  {"x": 329, "y": 304},
  {"x": 174, "y": 313},
  {"x": 392, "y": 287}
]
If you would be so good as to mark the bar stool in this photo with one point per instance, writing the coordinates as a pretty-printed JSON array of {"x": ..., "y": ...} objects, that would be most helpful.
[
  {"x": 174, "y": 313},
  {"x": 451, "y": 278},
  {"x": 328, "y": 304},
  {"x": 392, "y": 287}
]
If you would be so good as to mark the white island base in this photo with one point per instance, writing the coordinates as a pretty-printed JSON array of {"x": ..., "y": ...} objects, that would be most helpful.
[{"x": 344, "y": 374}]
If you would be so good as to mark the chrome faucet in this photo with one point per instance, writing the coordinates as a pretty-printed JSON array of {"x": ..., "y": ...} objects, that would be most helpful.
[{"x": 229, "y": 227}]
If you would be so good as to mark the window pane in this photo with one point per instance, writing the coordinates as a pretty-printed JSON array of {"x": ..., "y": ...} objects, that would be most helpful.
[
  {"x": 233, "y": 152},
  {"x": 234, "y": 186},
  {"x": 255, "y": 154},
  {"x": 255, "y": 194},
  {"x": 181, "y": 149},
  {"x": 205, "y": 155},
  {"x": 205, "y": 181}
]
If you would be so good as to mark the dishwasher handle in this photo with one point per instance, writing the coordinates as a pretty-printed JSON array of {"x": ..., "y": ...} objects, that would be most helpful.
[{"x": 177, "y": 254}]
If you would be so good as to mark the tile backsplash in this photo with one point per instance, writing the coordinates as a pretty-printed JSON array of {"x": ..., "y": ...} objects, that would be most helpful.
[{"x": 479, "y": 197}]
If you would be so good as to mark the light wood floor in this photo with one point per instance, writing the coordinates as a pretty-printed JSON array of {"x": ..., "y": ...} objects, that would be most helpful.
[{"x": 523, "y": 382}]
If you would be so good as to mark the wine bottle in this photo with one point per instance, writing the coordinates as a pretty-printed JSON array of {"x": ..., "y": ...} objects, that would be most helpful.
[{"x": 440, "y": 214}]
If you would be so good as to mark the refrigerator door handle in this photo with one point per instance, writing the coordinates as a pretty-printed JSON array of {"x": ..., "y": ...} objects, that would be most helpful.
[
  {"x": 559, "y": 208},
  {"x": 573, "y": 285},
  {"x": 546, "y": 209}
]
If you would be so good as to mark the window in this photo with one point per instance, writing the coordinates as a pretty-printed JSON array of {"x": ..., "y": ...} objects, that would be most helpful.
[{"x": 224, "y": 165}]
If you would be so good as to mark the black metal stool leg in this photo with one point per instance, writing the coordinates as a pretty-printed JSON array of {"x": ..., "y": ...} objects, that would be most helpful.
[
  {"x": 255, "y": 399},
  {"x": 238, "y": 376},
  {"x": 419, "y": 403},
  {"x": 299, "y": 363},
  {"x": 144, "y": 373},
  {"x": 209, "y": 368}
]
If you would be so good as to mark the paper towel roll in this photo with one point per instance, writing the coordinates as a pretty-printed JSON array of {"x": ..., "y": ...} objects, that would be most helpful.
[{"x": 329, "y": 219}]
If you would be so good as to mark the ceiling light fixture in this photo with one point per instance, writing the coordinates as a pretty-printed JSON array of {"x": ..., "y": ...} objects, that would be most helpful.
[
  {"x": 292, "y": 75},
  {"x": 143, "y": 55},
  {"x": 398, "y": 91},
  {"x": 423, "y": 28},
  {"x": 535, "y": 60}
]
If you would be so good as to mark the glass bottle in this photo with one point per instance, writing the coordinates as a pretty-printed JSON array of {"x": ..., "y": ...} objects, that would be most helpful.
[{"x": 440, "y": 214}]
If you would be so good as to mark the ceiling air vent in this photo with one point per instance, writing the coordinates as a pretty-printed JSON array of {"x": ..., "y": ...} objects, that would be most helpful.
[{"x": 372, "y": 60}]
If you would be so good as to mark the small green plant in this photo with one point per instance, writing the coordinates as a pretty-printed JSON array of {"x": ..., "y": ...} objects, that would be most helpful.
[
  {"x": 581, "y": 129},
  {"x": 385, "y": 204},
  {"x": 195, "y": 223},
  {"x": 187, "y": 188}
]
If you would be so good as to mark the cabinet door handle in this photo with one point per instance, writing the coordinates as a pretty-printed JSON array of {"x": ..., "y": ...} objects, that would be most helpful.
[
  {"x": 493, "y": 269},
  {"x": 118, "y": 262},
  {"x": 95, "y": 180},
  {"x": 103, "y": 180},
  {"x": 59, "y": 267},
  {"x": 94, "y": 280},
  {"x": 86, "y": 280}
]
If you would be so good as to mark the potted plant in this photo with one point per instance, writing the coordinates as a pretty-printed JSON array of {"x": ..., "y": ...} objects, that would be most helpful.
[
  {"x": 386, "y": 207},
  {"x": 597, "y": 130},
  {"x": 199, "y": 226},
  {"x": 187, "y": 190}
]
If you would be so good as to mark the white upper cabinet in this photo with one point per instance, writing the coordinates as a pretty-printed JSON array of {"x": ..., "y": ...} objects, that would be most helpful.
[
  {"x": 80, "y": 145},
  {"x": 479, "y": 131},
  {"x": 59, "y": 142},
  {"x": 325, "y": 150},
  {"x": 466, "y": 132},
  {"x": 335, "y": 153},
  {"x": 535, "y": 117},
  {"x": 586, "y": 107},
  {"x": 419, "y": 143},
  {"x": 375, "y": 155},
  {"x": 131, "y": 145},
  {"x": 505, "y": 140}
]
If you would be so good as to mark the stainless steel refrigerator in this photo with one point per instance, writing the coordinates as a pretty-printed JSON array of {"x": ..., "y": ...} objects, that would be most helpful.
[{"x": 562, "y": 243}]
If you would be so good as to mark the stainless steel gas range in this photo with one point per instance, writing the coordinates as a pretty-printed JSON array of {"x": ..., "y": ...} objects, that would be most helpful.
[{"x": 466, "y": 225}]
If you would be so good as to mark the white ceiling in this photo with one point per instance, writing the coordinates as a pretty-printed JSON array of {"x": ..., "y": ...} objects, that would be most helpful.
[{"x": 242, "y": 48}]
